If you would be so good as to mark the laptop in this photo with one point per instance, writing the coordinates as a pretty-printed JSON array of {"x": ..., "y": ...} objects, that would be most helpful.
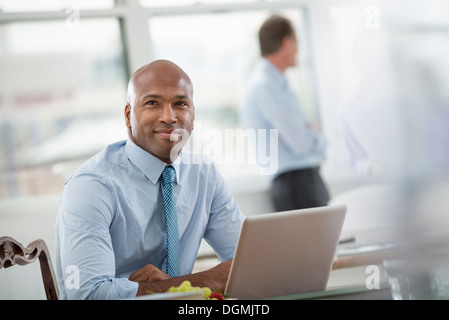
[{"x": 284, "y": 253}]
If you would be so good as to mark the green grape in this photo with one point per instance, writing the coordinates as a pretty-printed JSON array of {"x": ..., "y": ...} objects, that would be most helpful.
[
  {"x": 173, "y": 289},
  {"x": 186, "y": 286},
  {"x": 207, "y": 291}
]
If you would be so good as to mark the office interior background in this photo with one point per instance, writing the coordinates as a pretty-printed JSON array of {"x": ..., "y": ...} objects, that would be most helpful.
[{"x": 373, "y": 73}]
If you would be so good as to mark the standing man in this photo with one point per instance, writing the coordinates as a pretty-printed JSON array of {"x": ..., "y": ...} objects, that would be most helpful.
[
  {"x": 132, "y": 217},
  {"x": 270, "y": 104}
]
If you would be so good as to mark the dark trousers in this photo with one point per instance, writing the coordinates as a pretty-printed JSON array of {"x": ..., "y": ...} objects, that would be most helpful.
[{"x": 299, "y": 189}]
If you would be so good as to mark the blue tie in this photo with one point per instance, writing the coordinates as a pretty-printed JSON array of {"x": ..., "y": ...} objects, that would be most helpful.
[{"x": 171, "y": 222}]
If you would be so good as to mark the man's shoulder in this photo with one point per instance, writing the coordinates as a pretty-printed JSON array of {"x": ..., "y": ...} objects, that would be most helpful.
[
  {"x": 259, "y": 79},
  {"x": 103, "y": 161},
  {"x": 259, "y": 85}
]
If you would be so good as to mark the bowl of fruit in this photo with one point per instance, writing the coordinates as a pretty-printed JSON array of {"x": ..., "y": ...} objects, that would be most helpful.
[
  {"x": 207, "y": 293},
  {"x": 185, "y": 291}
]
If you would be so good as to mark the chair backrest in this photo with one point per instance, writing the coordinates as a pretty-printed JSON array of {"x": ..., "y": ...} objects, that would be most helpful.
[{"x": 13, "y": 253}]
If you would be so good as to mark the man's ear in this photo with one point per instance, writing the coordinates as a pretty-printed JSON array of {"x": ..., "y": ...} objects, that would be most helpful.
[
  {"x": 285, "y": 42},
  {"x": 127, "y": 113}
]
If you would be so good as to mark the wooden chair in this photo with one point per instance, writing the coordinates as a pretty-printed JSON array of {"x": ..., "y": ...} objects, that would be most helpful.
[{"x": 12, "y": 253}]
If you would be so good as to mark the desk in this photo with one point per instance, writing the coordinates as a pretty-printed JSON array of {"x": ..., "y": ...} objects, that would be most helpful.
[
  {"x": 347, "y": 284},
  {"x": 347, "y": 280},
  {"x": 364, "y": 254},
  {"x": 356, "y": 292}
]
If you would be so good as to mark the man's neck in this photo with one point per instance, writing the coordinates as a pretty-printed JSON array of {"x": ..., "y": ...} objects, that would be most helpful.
[{"x": 276, "y": 61}]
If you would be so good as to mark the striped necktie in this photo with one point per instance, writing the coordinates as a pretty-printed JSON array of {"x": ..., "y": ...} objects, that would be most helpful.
[{"x": 171, "y": 222}]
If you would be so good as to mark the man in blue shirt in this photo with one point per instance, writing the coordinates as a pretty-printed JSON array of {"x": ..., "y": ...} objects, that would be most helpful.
[
  {"x": 270, "y": 104},
  {"x": 110, "y": 230}
]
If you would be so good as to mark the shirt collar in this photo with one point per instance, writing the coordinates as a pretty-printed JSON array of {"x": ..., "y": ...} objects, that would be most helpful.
[
  {"x": 275, "y": 74},
  {"x": 148, "y": 164}
]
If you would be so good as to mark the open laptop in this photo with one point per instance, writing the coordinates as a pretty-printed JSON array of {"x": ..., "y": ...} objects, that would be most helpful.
[{"x": 286, "y": 252}]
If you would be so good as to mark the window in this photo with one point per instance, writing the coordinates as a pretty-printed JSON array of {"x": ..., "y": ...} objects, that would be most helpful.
[
  {"x": 218, "y": 54},
  {"x": 65, "y": 65},
  {"x": 220, "y": 57},
  {"x": 62, "y": 93},
  {"x": 52, "y": 5},
  {"x": 174, "y": 3}
]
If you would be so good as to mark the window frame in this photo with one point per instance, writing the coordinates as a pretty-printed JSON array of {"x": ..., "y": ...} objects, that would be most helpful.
[{"x": 135, "y": 32}]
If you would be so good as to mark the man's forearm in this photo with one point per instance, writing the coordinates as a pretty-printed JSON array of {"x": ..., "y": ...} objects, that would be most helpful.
[{"x": 214, "y": 278}]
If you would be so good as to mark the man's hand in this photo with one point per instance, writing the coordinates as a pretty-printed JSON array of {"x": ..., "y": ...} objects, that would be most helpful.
[
  {"x": 152, "y": 279},
  {"x": 148, "y": 273}
]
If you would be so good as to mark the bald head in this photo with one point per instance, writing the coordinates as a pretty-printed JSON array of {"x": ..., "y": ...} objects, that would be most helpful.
[
  {"x": 164, "y": 71},
  {"x": 160, "y": 112}
]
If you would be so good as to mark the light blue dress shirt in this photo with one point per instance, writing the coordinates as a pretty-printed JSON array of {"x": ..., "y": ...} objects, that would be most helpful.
[
  {"x": 270, "y": 104},
  {"x": 111, "y": 220}
]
